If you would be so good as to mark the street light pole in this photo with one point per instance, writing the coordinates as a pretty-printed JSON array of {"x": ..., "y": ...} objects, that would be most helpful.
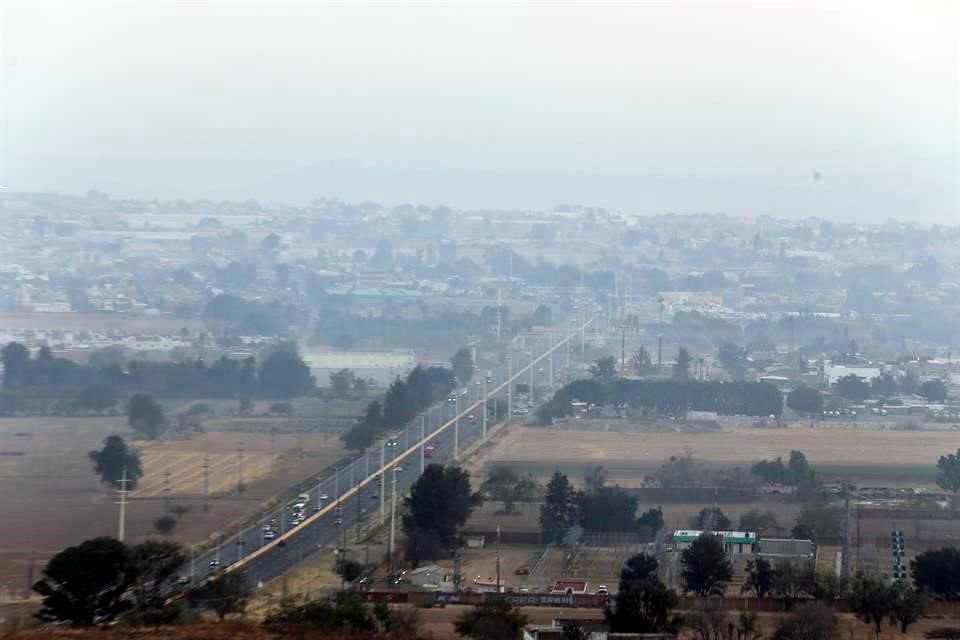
[
  {"x": 509, "y": 389},
  {"x": 393, "y": 519},
  {"x": 456, "y": 428},
  {"x": 122, "y": 524},
  {"x": 383, "y": 487},
  {"x": 423, "y": 444},
  {"x": 484, "y": 418}
]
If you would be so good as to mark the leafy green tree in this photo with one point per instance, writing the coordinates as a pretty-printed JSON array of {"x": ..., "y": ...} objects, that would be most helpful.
[
  {"x": 165, "y": 524},
  {"x": 225, "y": 594},
  {"x": 933, "y": 391},
  {"x": 758, "y": 521},
  {"x": 642, "y": 363},
  {"x": 604, "y": 370},
  {"x": 799, "y": 468},
  {"x": 440, "y": 502},
  {"x": 948, "y": 473},
  {"x": 712, "y": 519},
  {"x": 155, "y": 564},
  {"x": 284, "y": 374},
  {"x": 16, "y": 364},
  {"x": 96, "y": 397},
  {"x": 883, "y": 385},
  {"x": 492, "y": 620},
  {"x": 706, "y": 568},
  {"x": 852, "y": 387},
  {"x": 907, "y": 605},
  {"x": 559, "y": 509},
  {"x": 607, "y": 509},
  {"x": 734, "y": 359},
  {"x": 146, "y": 416},
  {"x": 870, "y": 601},
  {"x": 681, "y": 370},
  {"x": 809, "y": 622},
  {"x": 805, "y": 400},
  {"x": 643, "y": 602},
  {"x": 462, "y": 363},
  {"x": 759, "y": 579},
  {"x": 341, "y": 382},
  {"x": 505, "y": 485},
  {"x": 771, "y": 471},
  {"x": 938, "y": 572},
  {"x": 790, "y": 580},
  {"x": 349, "y": 570},
  {"x": 281, "y": 408},
  {"x": 542, "y": 316},
  {"x": 85, "y": 584},
  {"x": 399, "y": 405},
  {"x": 818, "y": 521},
  {"x": 110, "y": 461},
  {"x": 650, "y": 522}
]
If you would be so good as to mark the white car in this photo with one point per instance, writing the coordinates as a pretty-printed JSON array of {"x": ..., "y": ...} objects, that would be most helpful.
[
  {"x": 324, "y": 496},
  {"x": 269, "y": 535}
]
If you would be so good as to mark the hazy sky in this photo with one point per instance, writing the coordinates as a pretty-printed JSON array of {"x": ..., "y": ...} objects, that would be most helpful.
[{"x": 646, "y": 107}]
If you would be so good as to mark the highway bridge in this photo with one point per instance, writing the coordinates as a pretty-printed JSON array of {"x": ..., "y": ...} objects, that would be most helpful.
[{"x": 361, "y": 489}]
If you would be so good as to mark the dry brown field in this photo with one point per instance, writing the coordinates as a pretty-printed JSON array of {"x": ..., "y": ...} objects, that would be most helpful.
[
  {"x": 128, "y": 324},
  {"x": 50, "y": 497},
  {"x": 869, "y": 452}
]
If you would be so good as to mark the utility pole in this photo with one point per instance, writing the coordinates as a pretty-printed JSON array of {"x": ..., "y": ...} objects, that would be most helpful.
[
  {"x": 623, "y": 351},
  {"x": 206, "y": 482},
  {"x": 499, "y": 303},
  {"x": 240, "y": 486},
  {"x": 498, "y": 558},
  {"x": 531, "y": 377},
  {"x": 845, "y": 548},
  {"x": 550, "y": 365},
  {"x": 393, "y": 519},
  {"x": 122, "y": 524}
]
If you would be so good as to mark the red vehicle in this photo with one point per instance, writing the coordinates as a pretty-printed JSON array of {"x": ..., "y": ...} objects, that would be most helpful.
[{"x": 428, "y": 451}]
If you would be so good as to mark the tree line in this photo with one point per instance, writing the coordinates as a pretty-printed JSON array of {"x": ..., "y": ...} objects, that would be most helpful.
[
  {"x": 667, "y": 397},
  {"x": 281, "y": 373},
  {"x": 404, "y": 399},
  {"x": 596, "y": 507}
]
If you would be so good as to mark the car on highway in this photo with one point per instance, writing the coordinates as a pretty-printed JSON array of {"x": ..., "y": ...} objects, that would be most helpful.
[
  {"x": 324, "y": 496},
  {"x": 392, "y": 443},
  {"x": 429, "y": 450},
  {"x": 269, "y": 535}
]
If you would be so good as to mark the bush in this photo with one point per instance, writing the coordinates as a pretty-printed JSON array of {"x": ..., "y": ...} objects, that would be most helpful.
[
  {"x": 282, "y": 408},
  {"x": 165, "y": 524}
]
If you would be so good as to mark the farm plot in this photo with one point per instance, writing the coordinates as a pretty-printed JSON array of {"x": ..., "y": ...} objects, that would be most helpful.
[
  {"x": 857, "y": 452},
  {"x": 52, "y": 499}
]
